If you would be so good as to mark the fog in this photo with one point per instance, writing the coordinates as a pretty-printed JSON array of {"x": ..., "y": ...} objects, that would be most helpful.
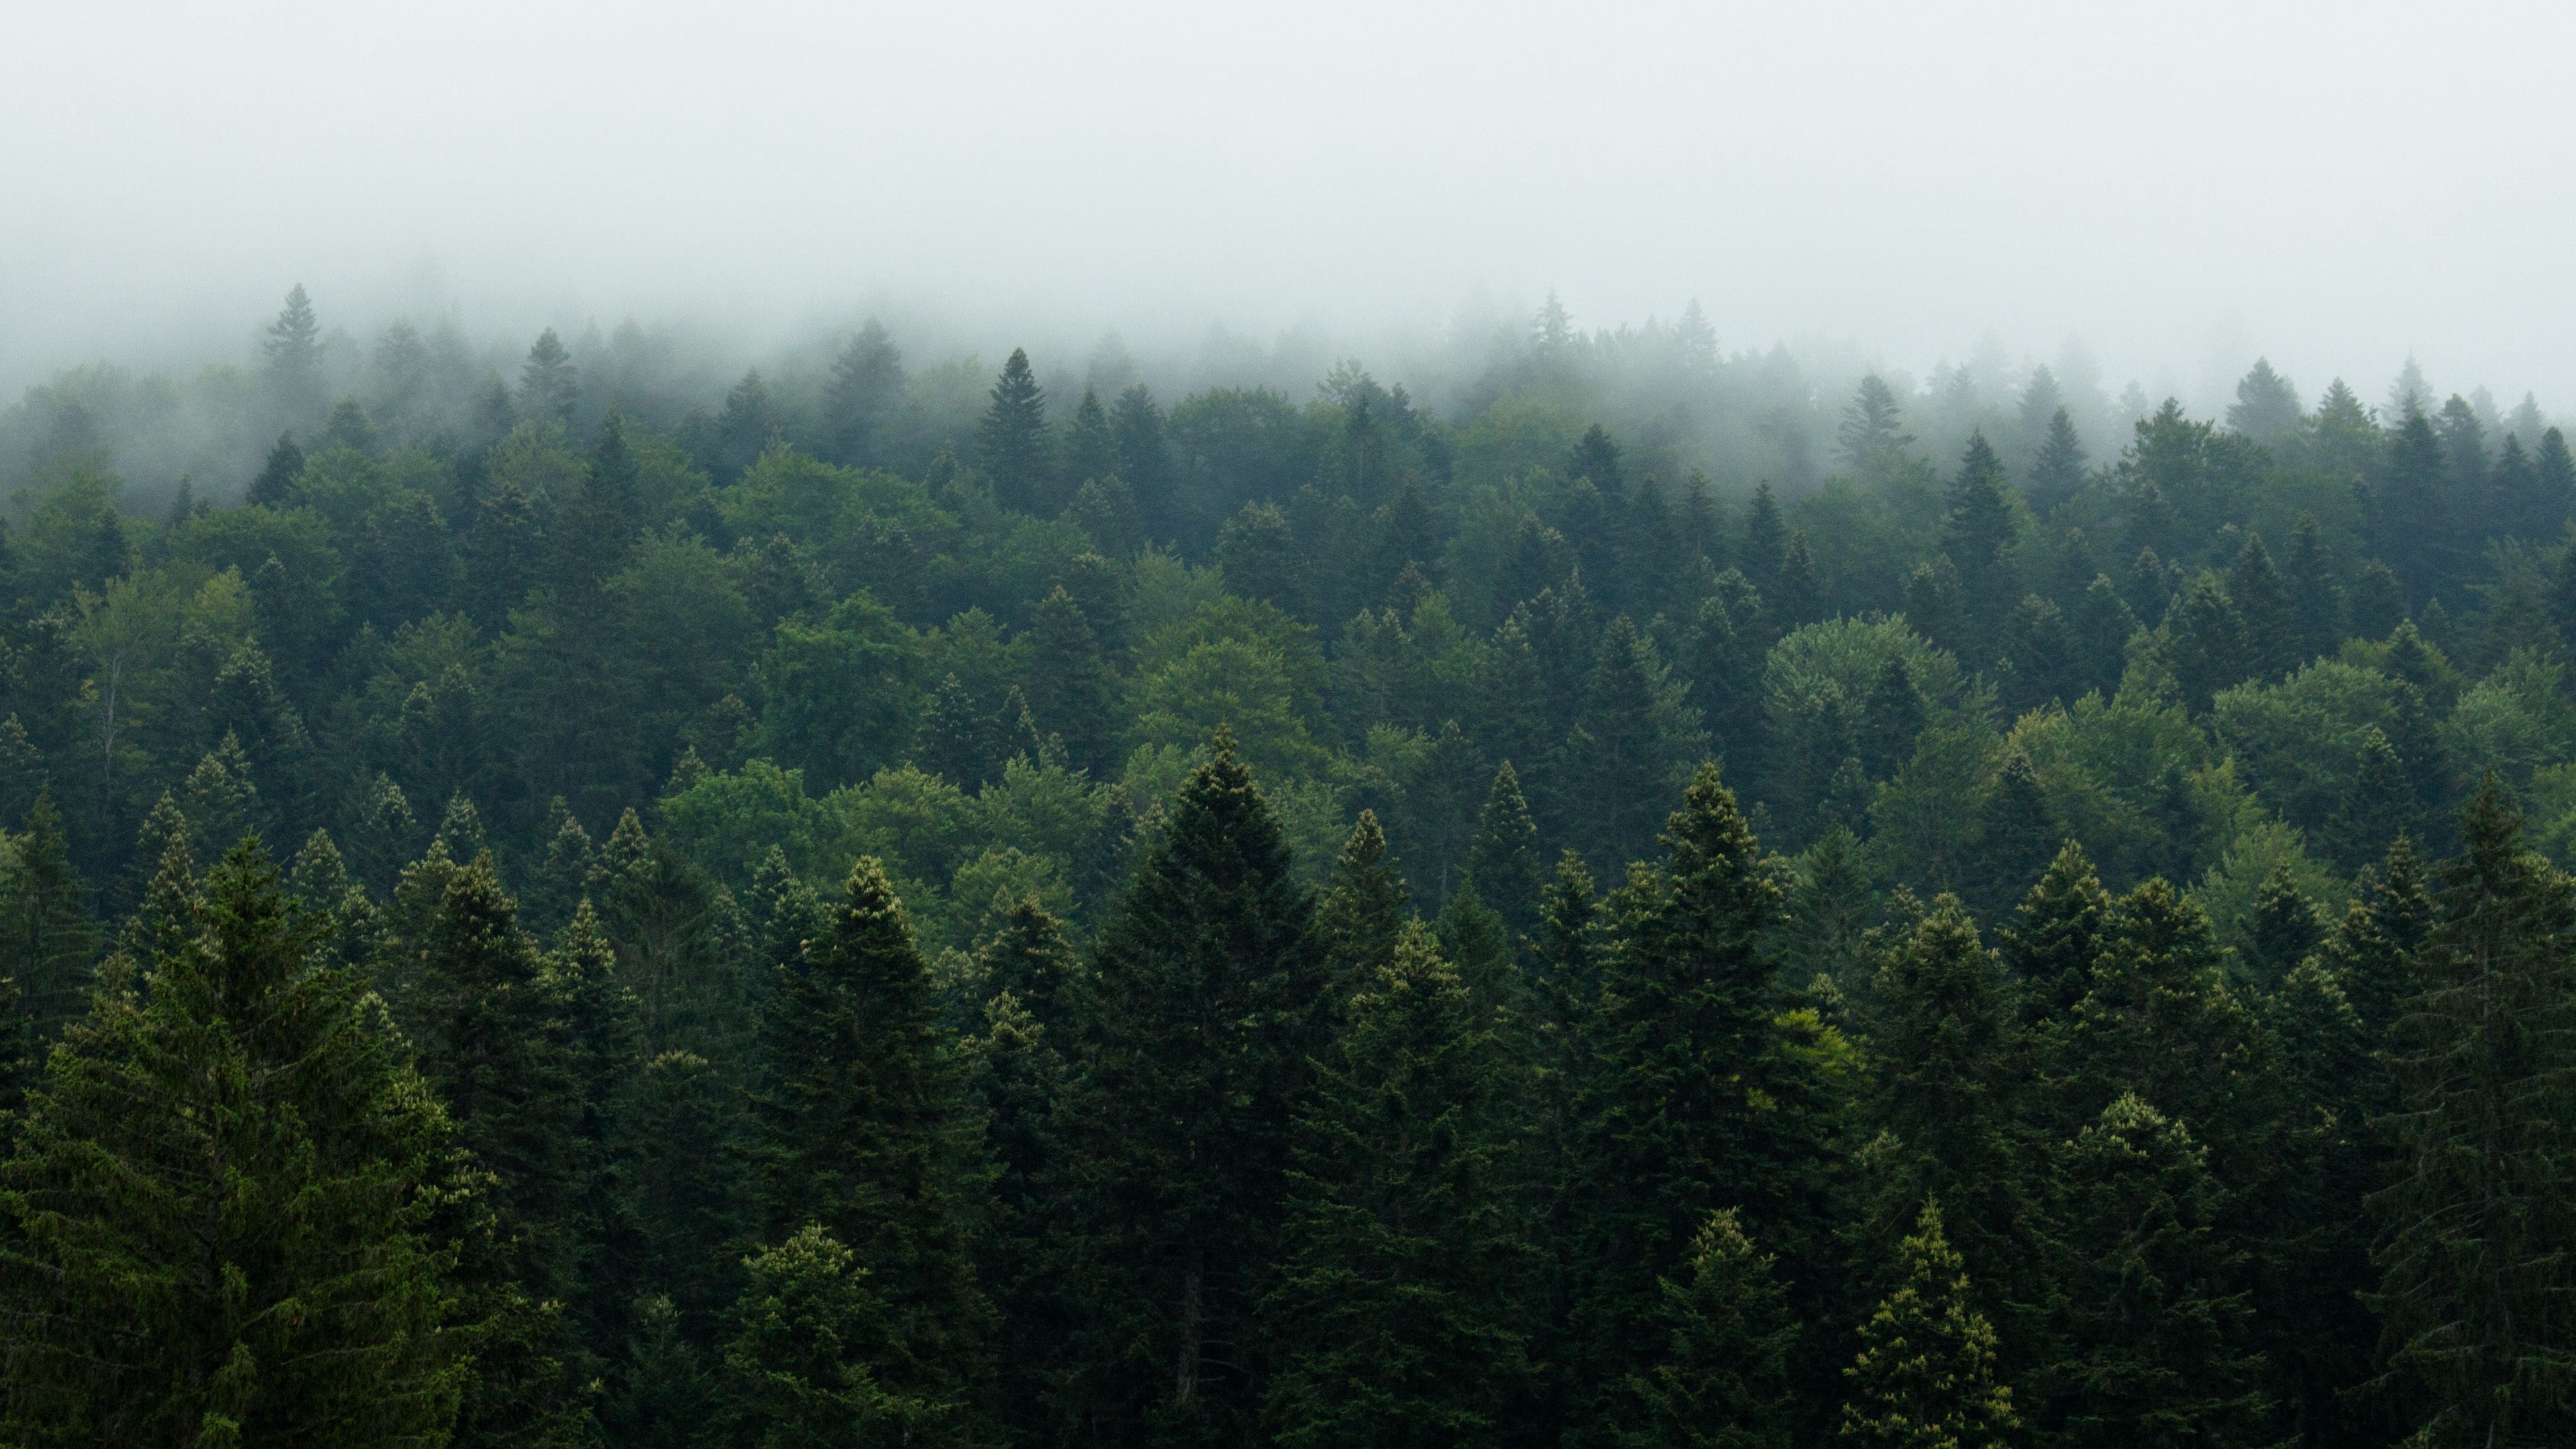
[{"x": 2177, "y": 187}]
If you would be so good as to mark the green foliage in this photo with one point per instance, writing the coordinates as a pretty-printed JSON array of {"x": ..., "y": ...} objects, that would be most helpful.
[
  {"x": 1722, "y": 1382},
  {"x": 1925, "y": 1376}
]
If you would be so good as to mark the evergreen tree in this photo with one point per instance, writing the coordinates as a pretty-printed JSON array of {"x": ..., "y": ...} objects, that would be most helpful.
[
  {"x": 954, "y": 738},
  {"x": 812, "y": 1341},
  {"x": 2376, "y": 948},
  {"x": 2263, "y": 603},
  {"x": 2474, "y": 1276},
  {"x": 1614, "y": 762},
  {"x": 2056, "y": 934},
  {"x": 293, "y": 346},
  {"x": 2150, "y": 1332},
  {"x": 1090, "y": 445},
  {"x": 2415, "y": 522},
  {"x": 2205, "y": 637},
  {"x": 234, "y": 1212},
  {"x": 2316, "y": 601},
  {"x": 1397, "y": 1295},
  {"x": 1723, "y": 1381},
  {"x": 2016, "y": 834},
  {"x": 1257, "y": 551},
  {"x": 2377, "y": 605},
  {"x": 1502, "y": 861},
  {"x": 865, "y": 387},
  {"x": 2554, "y": 487},
  {"x": 2103, "y": 624},
  {"x": 549, "y": 384},
  {"x": 1144, "y": 461},
  {"x": 2266, "y": 407},
  {"x": 1925, "y": 1376},
  {"x": 47, "y": 941},
  {"x": 861, "y": 1128},
  {"x": 1686, "y": 1037},
  {"x": 1069, "y": 685},
  {"x": 1872, "y": 433},
  {"x": 277, "y": 477},
  {"x": 1011, "y": 442},
  {"x": 1977, "y": 534},
  {"x": 1362, "y": 910},
  {"x": 2058, "y": 470},
  {"x": 1766, "y": 540},
  {"x": 2285, "y": 929},
  {"x": 1198, "y": 1035}
]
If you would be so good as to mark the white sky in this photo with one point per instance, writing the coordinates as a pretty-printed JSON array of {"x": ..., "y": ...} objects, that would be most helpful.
[{"x": 2181, "y": 185}]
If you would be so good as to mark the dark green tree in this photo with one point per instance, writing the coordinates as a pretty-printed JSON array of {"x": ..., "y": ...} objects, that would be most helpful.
[
  {"x": 277, "y": 477},
  {"x": 1399, "y": 1294},
  {"x": 549, "y": 384},
  {"x": 812, "y": 1342},
  {"x": 1925, "y": 1377},
  {"x": 1199, "y": 1032},
  {"x": 2055, "y": 935},
  {"x": 1068, "y": 683},
  {"x": 1977, "y": 535},
  {"x": 234, "y": 1212},
  {"x": 2473, "y": 1279},
  {"x": 1723, "y": 1379},
  {"x": 1011, "y": 442},
  {"x": 1502, "y": 860},
  {"x": 2058, "y": 470},
  {"x": 2263, "y": 603},
  {"x": 47, "y": 940},
  {"x": 865, "y": 388}
]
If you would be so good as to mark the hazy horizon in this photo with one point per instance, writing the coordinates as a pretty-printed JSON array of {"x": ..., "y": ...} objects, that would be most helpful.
[{"x": 2335, "y": 189}]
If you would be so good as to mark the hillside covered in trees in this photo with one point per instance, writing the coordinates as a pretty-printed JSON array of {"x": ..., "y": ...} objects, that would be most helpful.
[{"x": 1644, "y": 904}]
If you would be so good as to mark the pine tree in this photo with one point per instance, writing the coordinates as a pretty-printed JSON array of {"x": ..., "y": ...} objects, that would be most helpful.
[
  {"x": 2205, "y": 639},
  {"x": 2263, "y": 603},
  {"x": 1198, "y": 1034},
  {"x": 277, "y": 477},
  {"x": 549, "y": 384},
  {"x": 1891, "y": 719},
  {"x": 2554, "y": 487},
  {"x": 1723, "y": 1380},
  {"x": 2415, "y": 508},
  {"x": 493, "y": 1046},
  {"x": 568, "y": 872},
  {"x": 1144, "y": 461},
  {"x": 1011, "y": 443},
  {"x": 862, "y": 1129},
  {"x": 2055, "y": 935},
  {"x": 1398, "y": 1294},
  {"x": 2377, "y": 604},
  {"x": 1362, "y": 911},
  {"x": 1502, "y": 861},
  {"x": 1872, "y": 433},
  {"x": 811, "y": 1345},
  {"x": 1977, "y": 534},
  {"x": 2376, "y": 948},
  {"x": 1614, "y": 760},
  {"x": 2150, "y": 1332},
  {"x": 2474, "y": 1277},
  {"x": 2285, "y": 928},
  {"x": 1068, "y": 681},
  {"x": 234, "y": 1211},
  {"x": 47, "y": 941},
  {"x": 953, "y": 740},
  {"x": 1925, "y": 1376},
  {"x": 293, "y": 346},
  {"x": 2316, "y": 601},
  {"x": 1090, "y": 445},
  {"x": 2016, "y": 835},
  {"x": 2266, "y": 407},
  {"x": 2058, "y": 470},
  {"x": 864, "y": 389},
  {"x": 1686, "y": 1037},
  {"x": 1765, "y": 542}
]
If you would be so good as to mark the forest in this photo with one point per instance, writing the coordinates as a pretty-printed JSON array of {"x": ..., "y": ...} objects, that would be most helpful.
[{"x": 563, "y": 900}]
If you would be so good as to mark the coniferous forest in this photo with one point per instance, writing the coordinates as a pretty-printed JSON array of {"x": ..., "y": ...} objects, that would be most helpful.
[{"x": 552, "y": 901}]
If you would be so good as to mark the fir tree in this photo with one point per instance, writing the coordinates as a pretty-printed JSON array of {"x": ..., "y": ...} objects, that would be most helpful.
[
  {"x": 2016, "y": 834},
  {"x": 2316, "y": 601},
  {"x": 1891, "y": 718},
  {"x": 2284, "y": 931},
  {"x": 1011, "y": 443},
  {"x": 1198, "y": 1032},
  {"x": 2263, "y": 603},
  {"x": 1068, "y": 681},
  {"x": 2473, "y": 1275},
  {"x": 2376, "y": 947},
  {"x": 1362, "y": 910},
  {"x": 234, "y": 1211},
  {"x": 2055, "y": 934},
  {"x": 293, "y": 346},
  {"x": 1925, "y": 1376},
  {"x": 2058, "y": 470},
  {"x": 1872, "y": 432},
  {"x": 1977, "y": 534},
  {"x": 277, "y": 477},
  {"x": 862, "y": 1129},
  {"x": 1765, "y": 542},
  {"x": 1144, "y": 460},
  {"x": 1502, "y": 861},
  {"x": 811, "y": 1341},
  {"x": 2377, "y": 605},
  {"x": 549, "y": 384},
  {"x": 47, "y": 940},
  {"x": 2205, "y": 637},
  {"x": 1723, "y": 1379},
  {"x": 864, "y": 389},
  {"x": 2266, "y": 407},
  {"x": 1687, "y": 1035},
  {"x": 2150, "y": 1332},
  {"x": 1397, "y": 1295}
]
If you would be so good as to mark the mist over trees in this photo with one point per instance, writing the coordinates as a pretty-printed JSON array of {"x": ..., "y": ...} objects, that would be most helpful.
[{"x": 1637, "y": 895}]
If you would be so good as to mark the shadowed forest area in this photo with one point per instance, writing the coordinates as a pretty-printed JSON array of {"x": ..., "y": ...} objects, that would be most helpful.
[{"x": 1632, "y": 901}]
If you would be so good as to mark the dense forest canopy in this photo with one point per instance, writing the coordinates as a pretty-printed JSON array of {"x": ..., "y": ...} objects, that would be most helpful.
[{"x": 1629, "y": 900}]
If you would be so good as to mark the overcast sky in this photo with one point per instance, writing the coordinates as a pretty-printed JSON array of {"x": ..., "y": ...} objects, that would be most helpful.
[{"x": 2180, "y": 185}]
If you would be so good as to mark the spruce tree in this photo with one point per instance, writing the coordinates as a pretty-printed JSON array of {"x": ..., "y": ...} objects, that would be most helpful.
[
  {"x": 1977, "y": 534},
  {"x": 2016, "y": 835},
  {"x": 2285, "y": 928},
  {"x": 2059, "y": 468},
  {"x": 1925, "y": 1377},
  {"x": 2377, "y": 808},
  {"x": 813, "y": 1342},
  {"x": 277, "y": 477},
  {"x": 2316, "y": 599},
  {"x": 862, "y": 393},
  {"x": 1144, "y": 461},
  {"x": 1722, "y": 1381},
  {"x": 2149, "y": 1329},
  {"x": 1502, "y": 861},
  {"x": 234, "y": 1211},
  {"x": 2475, "y": 1278},
  {"x": 2055, "y": 935},
  {"x": 1011, "y": 442},
  {"x": 1891, "y": 719},
  {"x": 1068, "y": 683},
  {"x": 1398, "y": 1296},
  {"x": 1687, "y": 1038},
  {"x": 2263, "y": 602},
  {"x": 47, "y": 941},
  {"x": 1199, "y": 1030},
  {"x": 861, "y": 1128},
  {"x": 549, "y": 384},
  {"x": 2375, "y": 949},
  {"x": 1362, "y": 911}
]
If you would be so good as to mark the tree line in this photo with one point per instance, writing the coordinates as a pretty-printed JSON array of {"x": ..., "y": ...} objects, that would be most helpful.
[{"x": 548, "y": 921}]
